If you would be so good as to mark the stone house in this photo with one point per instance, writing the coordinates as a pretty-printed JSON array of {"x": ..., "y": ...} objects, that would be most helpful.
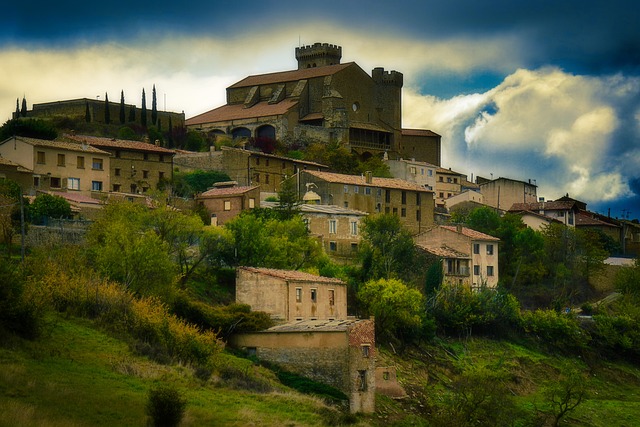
[
  {"x": 455, "y": 264},
  {"x": 291, "y": 295},
  {"x": 58, "y": 165},
  {"x": 322, "y": 100},
  {"x": 15, "y": 172},
  {"x": 464, "y": 196},
  {"x": 265, "y": 170},
  {"x": 226, "y": 202},
  {"x": 448, "y": 184},
  {"x": 421, "y": 173},
  {"x": 468, "y": 255},
  {"x": 135, "y": 167},
  {"x": 413, "y": 203},
  {"x": 564, "y": 211},
  {"x": 502, "y": 193}
]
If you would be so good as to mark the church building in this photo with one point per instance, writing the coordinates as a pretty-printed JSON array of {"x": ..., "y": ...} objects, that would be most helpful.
[{"x": 323, "y": 100}]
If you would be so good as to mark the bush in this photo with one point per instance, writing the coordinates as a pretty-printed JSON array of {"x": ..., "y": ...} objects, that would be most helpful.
[
  {"x": 20, "y": 312},
  {"x": 165, "y": 406},
  {"x": 559, "y": 330}
]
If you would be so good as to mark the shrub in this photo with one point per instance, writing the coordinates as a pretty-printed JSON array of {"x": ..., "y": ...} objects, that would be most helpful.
[
  {"x": 165, "y": 406},
  {"x": 559, "y": 330},
  {"x": 21, "y": 312}
]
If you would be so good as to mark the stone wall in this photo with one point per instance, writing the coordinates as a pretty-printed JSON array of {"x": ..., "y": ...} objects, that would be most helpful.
[{"x": 189, "y": 162}]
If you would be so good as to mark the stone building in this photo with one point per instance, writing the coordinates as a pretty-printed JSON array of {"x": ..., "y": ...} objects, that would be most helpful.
[
  {"x": 340, "y": 353},
  {"x": 135, "y": 166},
  {"x": 448, "y": 184},
  {"x": 502, "y": 193},
  {"x": 411, "y": 170},
  {"x": 224, "y": 202},
  {"x": 413, "y": 203},
  {"x": 455, "y": 245},
  {"x": 291, "y": 295},
  {"x": 322, "y": 100},
  {"x": 78, "y": 108},
  {"x": 58, "y": 165}
]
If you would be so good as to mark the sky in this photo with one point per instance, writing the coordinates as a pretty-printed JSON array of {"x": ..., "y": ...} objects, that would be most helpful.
[{"x": 547, "y": 91}]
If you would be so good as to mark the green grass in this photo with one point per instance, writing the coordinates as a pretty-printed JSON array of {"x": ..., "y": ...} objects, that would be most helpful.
[{"x": 79, "y": 376}]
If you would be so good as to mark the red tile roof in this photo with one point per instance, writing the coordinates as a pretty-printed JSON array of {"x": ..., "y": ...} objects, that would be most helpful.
[
  {"x": 444, "y": 251},
  {"x": 290, "y": 76},
  {"x": 226, "y": 191},
  {"x": 543, "y": 206},
  {"x": 238, "y": 111},
  {"x": 123, "y": 144},
  {"x": 393, "y": 183},
  {"x": 585, "y": 218},
  {"x": 298, "y": 276},
  {"x": 62, "y": 145},
  {"x": 473, "y": 234}
]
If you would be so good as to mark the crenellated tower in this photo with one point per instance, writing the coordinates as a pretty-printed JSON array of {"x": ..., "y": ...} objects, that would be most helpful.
[{"x": 318, "y": 55}]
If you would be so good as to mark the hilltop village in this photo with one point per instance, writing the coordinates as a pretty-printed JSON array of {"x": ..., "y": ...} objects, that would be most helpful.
[{"x": 323, "y": 145}]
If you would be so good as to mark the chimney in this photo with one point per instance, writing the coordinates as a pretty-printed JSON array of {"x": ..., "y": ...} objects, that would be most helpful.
[
  {"x": 368, "y": 177},
  {"x": 459, "y": 228}
]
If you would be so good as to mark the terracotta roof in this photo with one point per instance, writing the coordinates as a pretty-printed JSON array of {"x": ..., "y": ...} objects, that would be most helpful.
[
  {"x": 543, "y": 206},
  {"x": 449, "y": 171},
  {"x": 7, "y": 162},
  {"x": 473, "y": 234},
  {"x": 318, "y": 209},
  {"x": 61, "y": 145},
  {"x": 536, "y": 214},
  {"x": 394, "y": 183},
  {"x": 444, "y": 251},
  {"x": 226, "y": 191},
  {"x": 298, "y": 276},
  {"x": 238, "y": 111},
  {"x": 585, "y": 218},
  {"x": 315, "y": 326},
  {"x": 418, "y": 132},
  {"x": 124, "y": 144},
  {"x": 76, "y": 197},
  {"x": 290, "y": 76}
]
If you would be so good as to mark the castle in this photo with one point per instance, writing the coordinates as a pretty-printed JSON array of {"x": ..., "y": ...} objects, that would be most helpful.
[{"x": 322, "y": 100}]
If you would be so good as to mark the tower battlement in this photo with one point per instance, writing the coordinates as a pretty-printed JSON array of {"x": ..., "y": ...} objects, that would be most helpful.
[
  {"x": 318, "y": 55},
  {"x": 390, "y": 78}
]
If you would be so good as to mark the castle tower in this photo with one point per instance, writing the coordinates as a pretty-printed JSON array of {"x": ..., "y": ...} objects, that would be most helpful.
[{"x": 318, "y": 55}]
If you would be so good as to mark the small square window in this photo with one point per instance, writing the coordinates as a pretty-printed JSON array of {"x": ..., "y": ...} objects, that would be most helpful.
[
  {"x": 80, "y": 162},
  {"x": 314, "y": 295},
  {"x": 96, "y": 164},
  {"x": 55, "y": 183},
  {"x": 298, "y": 294},
  {"x": 476, "y": 270},
  {"x": 227, "y": 205},
  {"x": 61, "y": 160},
  {"x": 365, "y": 350},
  {"x": 333, "y": 246},
  {"x": 73, "y": 183},
  {"x": 40, "y": 158},
  {"x": 489, "y": 270},
  {"x": 332, "y": 297},
  {"x": 96, "y": 185},
  {"x": 145, "y": 174},
  {"x": 489, "y": 249},
  {"x": 476, "y": 248}
]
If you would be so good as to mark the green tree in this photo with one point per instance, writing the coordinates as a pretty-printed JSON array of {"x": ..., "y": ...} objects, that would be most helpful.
[
  {"x": 49, "y": 206},
  {"x": 187, "y": 184},
  {"x": 107, "y": 110},
  {"x": 17, "y": 114},
  {"x": 484, "y": 219},
  {"x": 154, "y": 106},
  {"x": 132, "y": 113},
  {"x": 565, "y": 394},
  {"x": 87, "y": 112},
  {"x": 194, "y": 142},
  {"x": 143, "y": 114},
  {"x": 122, "y": 108},
  {"x": 31, "y": 128},
  {"x": 397, "y": 308},
  {"x": 288, "y": 199},
  {"x": 9, "y": 212},
  {"x": 387, "y": 249},
  {"x": 23, "y": 112}
]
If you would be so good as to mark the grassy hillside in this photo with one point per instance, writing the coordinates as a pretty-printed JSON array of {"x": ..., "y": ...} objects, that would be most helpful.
[{"x": 79, "y": 376}]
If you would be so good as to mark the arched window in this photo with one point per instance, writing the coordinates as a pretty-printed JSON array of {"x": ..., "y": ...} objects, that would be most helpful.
[
  {"x": 266, "y": 131},
  {"x": 241, "y": 133}
]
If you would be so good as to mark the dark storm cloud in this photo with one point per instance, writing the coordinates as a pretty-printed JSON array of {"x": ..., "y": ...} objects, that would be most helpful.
[{"x": 581, "y": 36}]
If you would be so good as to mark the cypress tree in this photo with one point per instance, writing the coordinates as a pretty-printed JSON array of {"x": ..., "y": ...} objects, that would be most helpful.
[
  {"x": 122, "y": 113},
  {"x": 132, "y": 113},
  {"x": 154, "y": 106},
  {"x": 107, "y": 113},
  {"x": 159, "y": 125},
  {"x": 170, "y": 138},
  {"x": 17, "y": 108},
  {"x": 23, "y": 112},
  {"x": 143, "y": 116},
  {"x": 87, "y": 112}
]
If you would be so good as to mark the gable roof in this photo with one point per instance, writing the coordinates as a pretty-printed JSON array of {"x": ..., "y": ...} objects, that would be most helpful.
[
  {"x": 418, "y": 132},
  {"x": 393, "y": 183},
  {"x": 544, "y": 206},
  {"x": 58, "y": 144},
  {"x": 444, "y": 251},
  {"x": 273, "y": 156},
  {"x": 294, "y": 275},
  {"x": 226, "y": 191},
  {"x": 239, "y": 111},
  {"x": 586, "y": 218},
  {"x": 290, "y": 76},
  {"x": 122, "y": 144},
  {"x": 469, "y": 232}
]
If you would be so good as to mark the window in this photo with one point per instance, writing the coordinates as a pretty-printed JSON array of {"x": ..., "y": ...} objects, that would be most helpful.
[
  {"x": 387, "y": 210},
  {"x": 96, "y": 164},
  {"x": 367, "y": 191},
  {"x": 412, "y": 170},
  {"x": 298, "y": 294},
  {"x": 403, "y": 212},
  {"x": 117, "y": 154},
  {"x": 257, "y": 177},
  {"x": 116, "y": 187},
  {"x": 346, "y": 204},
  {"x": 489, "y": 270},
  {"x": 252, "y": 203},
  {"x": 40, "y": 159},
  {"x": 145, "y": 174},
  {"x": 96, "y": 185},
  {"x": 476, "y": 270},
  {"x": 266, "y": 178},
  {"x": 36, "y": 181},
  {"x": 333, "y": 226},
  {"x": 418, "y": 199},
  {"x": 476, "y": 248},
  {"x": 354, "y": 247},
  {"x": 404, "y": 197},
  {"x": 395, "y": 211},
  {"x": 314, "y": 295},
  {"x": 455, "y": 180},
  {"x": 441, "y": 179},
  {"x": 332, "y": 297},
  {"x": 362, "y": 380},
  {"x": 160, "y": 175},
  {"x": 430, "y": 172},
  {"x": 116, "y": 171},
  {"x": 387, "y": 196},
  {"x": 449, "y": 179},
  {"x": 61, "y": 160},
  {"x": 227, "y": 205},
  {"x": 80, "y": 162},
  {"x": 418, "y": 215},
  {"x": 365, "y": 350},
  {"x": 267, "y": 162},
  {"x": 55, "y": 183},
  {"x": 333, "y": 246},
  {"x": 356, "y": 189},
  {"x": 346, "y": 189},
  {"x": 441, "y": 195},
  {"x": 379, "y": 192},
  {"x": 489, "y": 249},
  {"x": 353, "y": 227},
  {"x": 161, "y": 158},
  {"x": 145, "y": 156},
  {"x": 73, "y": 183}
]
